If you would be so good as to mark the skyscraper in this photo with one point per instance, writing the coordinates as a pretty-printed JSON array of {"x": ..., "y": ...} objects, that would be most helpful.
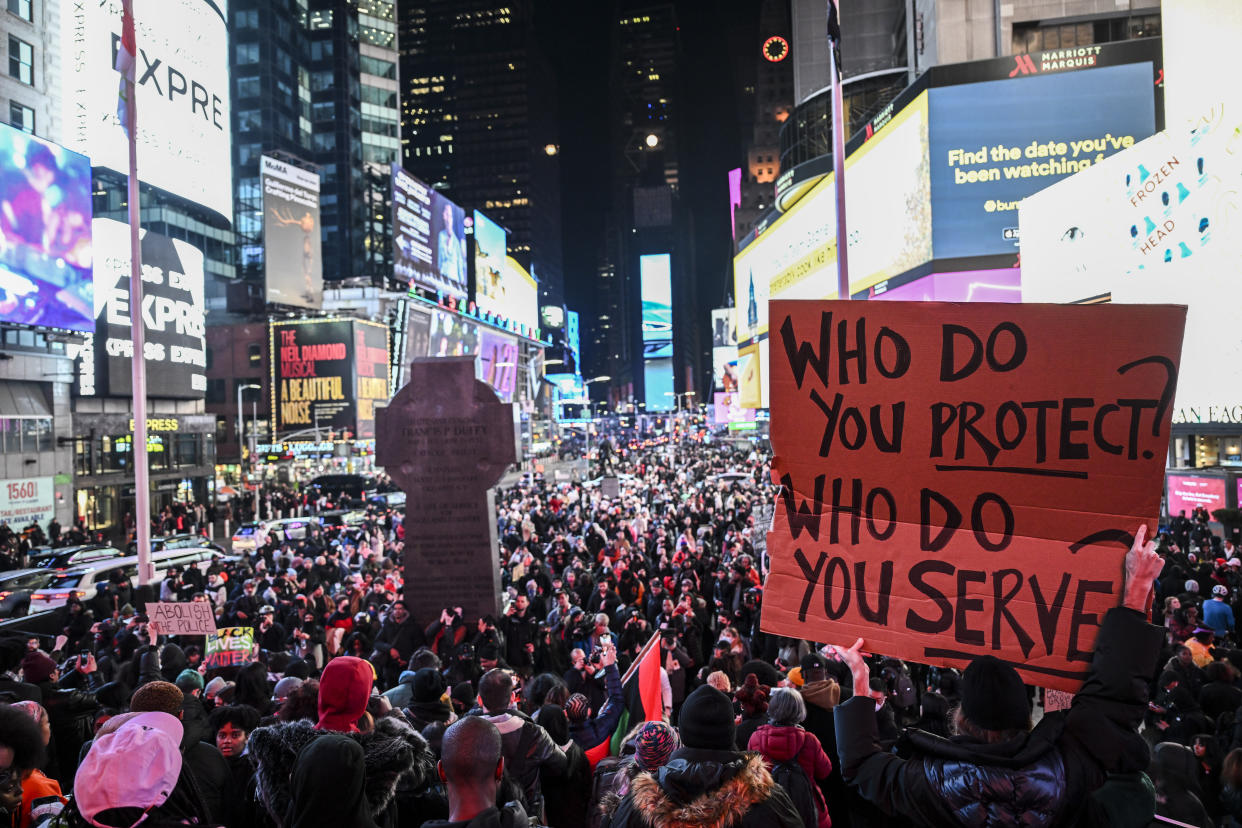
[{"x": 479, "y": 121}]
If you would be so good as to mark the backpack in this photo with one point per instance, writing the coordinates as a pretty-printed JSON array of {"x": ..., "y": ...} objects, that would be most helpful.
[{"x": 790, "y": 776}]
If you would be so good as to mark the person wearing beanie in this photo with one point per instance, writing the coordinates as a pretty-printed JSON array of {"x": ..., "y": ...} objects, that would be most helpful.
[
  {"x": 706, "y": 781},
  {"x": 71, "y": 712},
  {"x": 427, "y": 704},
  {"x": 997, "y": 770},
  {"x": 752, "y": 697},
  {"x": 190, "y": 682},
  {"x": 590, "y": 732},
  {"x": 654, "y": 745},
  {"x": 401, "y": 694}
]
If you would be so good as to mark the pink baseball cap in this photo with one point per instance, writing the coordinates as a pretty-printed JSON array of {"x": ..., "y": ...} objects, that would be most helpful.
[{"x": 135, "y": 766}]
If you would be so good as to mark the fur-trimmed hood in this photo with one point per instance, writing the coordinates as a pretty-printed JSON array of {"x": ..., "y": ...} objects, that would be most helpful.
[
  {"x": 396, "y": 755},
  {"x": 712, "y": 790}
]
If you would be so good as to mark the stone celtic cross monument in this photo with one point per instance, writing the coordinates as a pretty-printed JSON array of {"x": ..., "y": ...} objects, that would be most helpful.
[{"x": 446, "y": 440}]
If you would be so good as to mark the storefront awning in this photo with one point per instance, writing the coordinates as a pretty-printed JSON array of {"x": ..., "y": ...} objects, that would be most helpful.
[{"x": 23, "y": 399}]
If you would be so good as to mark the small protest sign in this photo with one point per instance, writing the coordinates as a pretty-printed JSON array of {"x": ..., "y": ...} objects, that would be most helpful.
[
  {"x": 231, "y": 647},
  {"x": 190, "y": 618},
  {"x": 964, "y": 479}
]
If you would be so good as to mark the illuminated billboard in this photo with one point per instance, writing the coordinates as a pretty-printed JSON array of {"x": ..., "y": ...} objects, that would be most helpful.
[
  {"x": 452, "y": 335},
  {"x": 1188, "y": 492},
  {"x": 182, "y": 82},
  {"x": 428, "y": 237},
  {"x": 490, "y": 266},
  {"x": 656, "y": 287},
  {"x": 518, "y": 299},
  {"x": 997, "y": 285},
  {"x": 45, "y": 226},
  {"x": 497, "y": 362},
  {"x": 727, "y": 410},
  {"x": 997, "y": 142},
  {"x": 173, "y": 313},
  {"x": 329, "y": 374},
  {"x": 292, "y": 241},
  {"x": 796, "y": 257},
  {"x": 724, "y": 346}
]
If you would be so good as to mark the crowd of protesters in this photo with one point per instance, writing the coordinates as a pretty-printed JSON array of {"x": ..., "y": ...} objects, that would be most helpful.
[{"x": 357, "y": 708}]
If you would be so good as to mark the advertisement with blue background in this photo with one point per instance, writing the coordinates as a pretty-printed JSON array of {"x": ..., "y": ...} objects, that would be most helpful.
[
  {"x": 994, "y": 143},
  {"x": 45, "y": 234}
]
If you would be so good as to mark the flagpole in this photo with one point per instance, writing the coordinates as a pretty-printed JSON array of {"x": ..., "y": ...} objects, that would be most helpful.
[
  {"x": 138, "y": 364},
  {"x": 638, "y": 659},
  {"x": 838, "y": 149}
]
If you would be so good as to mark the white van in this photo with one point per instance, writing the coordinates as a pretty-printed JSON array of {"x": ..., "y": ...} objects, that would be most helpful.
[{"x": 83, "y": 582}]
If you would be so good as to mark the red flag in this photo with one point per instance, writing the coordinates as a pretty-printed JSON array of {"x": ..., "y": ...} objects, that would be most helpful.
[
  {"x": 643, "y": 699},
  {"x": 126, "y": 57}
]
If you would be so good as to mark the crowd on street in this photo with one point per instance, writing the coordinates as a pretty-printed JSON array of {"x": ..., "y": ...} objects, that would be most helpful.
[{"x": 352, "y": 706}]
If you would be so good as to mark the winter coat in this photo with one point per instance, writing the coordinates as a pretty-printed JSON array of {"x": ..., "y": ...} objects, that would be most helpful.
[
  {"x": 707, "y": 789},
  {"x": 1175, "y": 772},
  {"x": 781, "y": 743},
  {"x": 395, "y": 753},
  {"x": 592, "y": 731},
  {"x": 511, "y": 816},
  {"x": 1040, "y": 778},
  {"x": 528, "y": 749}
]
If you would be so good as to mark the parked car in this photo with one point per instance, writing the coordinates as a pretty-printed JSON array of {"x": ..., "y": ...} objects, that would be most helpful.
[
  {"x": 163, "y": 543},
  {"x": 82, "y": 582},
  {"x": 15, "y": 589},
  {"x": 251, "y": 536},
  {"x": 290, "y": 528},
  {"x": 70, "y": 556}
]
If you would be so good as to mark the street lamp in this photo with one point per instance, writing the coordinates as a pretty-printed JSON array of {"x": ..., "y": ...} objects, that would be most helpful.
[{"x": 254, "y": 434}]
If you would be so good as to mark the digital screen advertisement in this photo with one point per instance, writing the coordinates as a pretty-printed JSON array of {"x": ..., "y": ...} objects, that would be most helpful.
[
  {"x": 658, "y": 382},
  {"x": 724, "y": 346},
  {"x": 173, "y": 313},
  {"x": 519, "y": 297},
  {"x": 371, "y": 374},
  {"x": 428, "y": 237},
  {"x": 1187, "y": 493},
  {"x": 997, "y": 285},
  {"x": 491, "y": 270},
  {"x": 313, "y": 375},
  {"x": 45, "y": 222},
  {"x": 727, "y": 409},
  {"x": 497, "y": 362},
  {"x": 292, "y": 241},
  {"x": 182, "y": 83},
  {"x": 997, "y": 142},
  {"x": 655, "y": 274},
  {"x": 452, "y": 335}
]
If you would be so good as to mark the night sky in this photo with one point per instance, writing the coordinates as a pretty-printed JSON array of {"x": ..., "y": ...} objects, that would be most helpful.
[{"x": 720, "y": 47}]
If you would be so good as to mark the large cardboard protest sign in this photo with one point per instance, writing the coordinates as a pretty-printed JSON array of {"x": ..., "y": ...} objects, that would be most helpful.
[
  {"x": 964, "y": 479},
  {"x": 186, "y": 618}
]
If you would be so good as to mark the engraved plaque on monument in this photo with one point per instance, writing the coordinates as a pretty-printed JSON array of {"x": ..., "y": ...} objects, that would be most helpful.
[{"x": 446, "y": 440}]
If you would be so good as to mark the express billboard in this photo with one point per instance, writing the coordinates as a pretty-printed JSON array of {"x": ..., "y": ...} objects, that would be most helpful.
[
  {"x": 428, "y": 237},
  {"x": 182, "y": 86},
  {"x": 996, "y": 142},
  {"x": 292, "y": 243},
  {"x": 45, "y": 224},
  {"x": 173, "y": 314}
]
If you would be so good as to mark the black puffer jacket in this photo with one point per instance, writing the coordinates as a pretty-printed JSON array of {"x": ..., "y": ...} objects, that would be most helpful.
[
  {"x": 1041, "y": 778},
  {"x": 396, "y": 757}
]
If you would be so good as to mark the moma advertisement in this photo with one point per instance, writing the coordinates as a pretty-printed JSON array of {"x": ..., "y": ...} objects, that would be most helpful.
[
  {"x": 997, "y": 142},
  {"x": 328, "y": 373},
  {"x": 182, "y": 77},
  {"x": 45, "y": 230},
  {"x": 173, "y": 315},
  {"x": 291, "y": 235},
  {"x": 655, "y": 274},
  {"x": 428, "y": 237}
]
